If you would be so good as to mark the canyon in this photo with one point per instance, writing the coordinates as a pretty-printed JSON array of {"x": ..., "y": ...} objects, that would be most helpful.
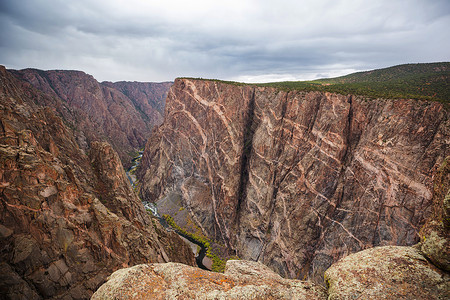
[
  {"x": 308, "y": 194},
  {"x": 385, "y": 272},
  {"x": 295, "y": 179},
  {"x": 121, "y": 113},
  {"x": 69, "y": 216}
]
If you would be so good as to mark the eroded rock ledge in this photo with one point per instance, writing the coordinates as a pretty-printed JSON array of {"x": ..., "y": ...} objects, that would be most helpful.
[{"x": 390, "y": 272}]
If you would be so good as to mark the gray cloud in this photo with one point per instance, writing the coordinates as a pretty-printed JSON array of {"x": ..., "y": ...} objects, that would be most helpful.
[{"x": 238, "y": 40}]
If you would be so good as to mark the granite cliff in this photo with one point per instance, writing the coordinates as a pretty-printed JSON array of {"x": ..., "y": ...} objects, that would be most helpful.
[
  {"x": 295, "y": 179},
  {"x": 121, "y": 113},
  {"x": 68, "y": 218}
]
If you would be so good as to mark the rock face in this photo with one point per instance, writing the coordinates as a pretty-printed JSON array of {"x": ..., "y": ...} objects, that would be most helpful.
[
  {"x": 241, "y": 280},
  {"x": 435, "y": 235},
  {"x": 389, "y": 272},
  {"x": 296, "y": 180},
  {"x": 148, "y": 97},
  {"x": 67, "y": 220},
  {"x": 122, "y": 113}
]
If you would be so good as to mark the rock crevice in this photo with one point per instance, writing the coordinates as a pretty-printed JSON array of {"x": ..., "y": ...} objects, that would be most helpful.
[{"x": 247, "y": 143}]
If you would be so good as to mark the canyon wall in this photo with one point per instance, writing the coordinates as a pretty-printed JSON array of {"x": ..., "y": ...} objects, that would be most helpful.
[
  {"x": 294, "y": 179},
  {"x": 68, "y": 218},
  {"x": 121, "y": 113}
]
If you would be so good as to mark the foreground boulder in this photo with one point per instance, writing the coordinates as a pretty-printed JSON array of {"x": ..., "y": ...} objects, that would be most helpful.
[
  {"x": 390, "y": 272},
  {"x": 241, "y": 280}
]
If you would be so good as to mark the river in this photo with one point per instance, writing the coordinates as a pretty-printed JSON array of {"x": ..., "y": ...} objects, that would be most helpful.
[{"x": 200, "y": 256}]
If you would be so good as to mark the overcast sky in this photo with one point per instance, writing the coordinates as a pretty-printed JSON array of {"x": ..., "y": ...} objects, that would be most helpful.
[{"x": 243, "y": 40}]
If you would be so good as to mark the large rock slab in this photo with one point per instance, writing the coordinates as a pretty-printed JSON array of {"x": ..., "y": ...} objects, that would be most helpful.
[
  {"x": 241, "y": 280},
  {"x": 390, "y": 272}
]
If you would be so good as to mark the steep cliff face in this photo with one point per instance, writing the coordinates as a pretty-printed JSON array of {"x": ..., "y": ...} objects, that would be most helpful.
[
  {"x": 435, "y": 235},
  {"x": 121, "y": 113},
  {"x": 148, "y": 97},
  {"x": 294, "y": 179},
  {"x": 67, "y": 220}
]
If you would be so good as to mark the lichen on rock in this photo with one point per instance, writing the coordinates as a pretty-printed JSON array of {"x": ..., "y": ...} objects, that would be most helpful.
[
  {"x": 241, "y": 280},
  {"x": 390, "y": 272}
]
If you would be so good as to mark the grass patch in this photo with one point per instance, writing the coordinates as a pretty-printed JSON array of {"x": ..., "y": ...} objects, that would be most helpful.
[
  {"x": 218, "y": 263},
  {"x": 425, "y": 81}
]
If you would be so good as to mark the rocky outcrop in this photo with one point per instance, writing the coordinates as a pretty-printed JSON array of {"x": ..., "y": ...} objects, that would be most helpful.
[
  {"x": 389, "y": 272},
  {"x": 122, "y": 114},
  {"x": 435, "y": 235},
  {"x": 241, "y": 280},
  {"x": 295, "y": 179},
  {"x": 113, "y": 186},
  {"x": 67, "y": 219}
]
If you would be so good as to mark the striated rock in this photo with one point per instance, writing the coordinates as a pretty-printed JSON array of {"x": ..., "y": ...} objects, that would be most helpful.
[
  {"x": 389, "y": 272},
  {"x": 241, "y": 280},
  {"x": 149, "y": 97},
  {"x": 68, "y": 220},
  {"x": 435, "y": 235},
  {"x": 122, "y": 114},
  {"x": 112, "y": 184},
  {"x": 295, "y": 179}
]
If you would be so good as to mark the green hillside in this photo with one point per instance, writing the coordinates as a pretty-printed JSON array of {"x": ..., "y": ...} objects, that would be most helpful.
[{"x": 428, "y": 81}]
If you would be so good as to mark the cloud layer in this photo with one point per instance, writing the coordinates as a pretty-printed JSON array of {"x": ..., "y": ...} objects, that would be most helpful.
[{"x": 245, "y": 40}]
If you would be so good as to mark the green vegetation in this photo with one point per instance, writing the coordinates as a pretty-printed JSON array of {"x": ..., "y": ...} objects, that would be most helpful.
[
  {"x": 430, "y": 81},
  {"x": 136, "y": 188},
  {"x": 218, "y": 263},
  {"x": 134, "y": 153},
  {"x": 216, "y": 80},
  {"x": 415, "y": 81}
]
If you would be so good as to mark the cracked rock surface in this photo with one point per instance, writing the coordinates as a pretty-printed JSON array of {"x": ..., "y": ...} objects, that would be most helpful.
[
  {"x": 241, "y": 280},
  {"x": 390, "y": 272}
]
